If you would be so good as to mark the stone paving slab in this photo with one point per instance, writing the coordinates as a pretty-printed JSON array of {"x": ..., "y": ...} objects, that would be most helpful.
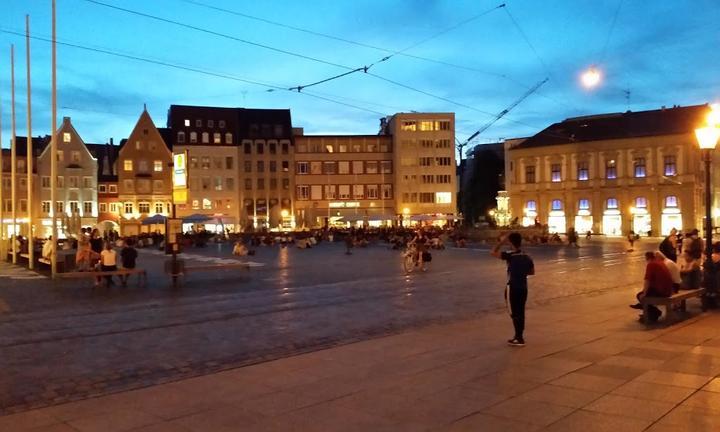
[{"x": 609, "y": 374}]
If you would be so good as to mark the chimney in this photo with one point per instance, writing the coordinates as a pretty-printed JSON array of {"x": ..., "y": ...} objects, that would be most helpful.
[{"x": 111, "y": 141}]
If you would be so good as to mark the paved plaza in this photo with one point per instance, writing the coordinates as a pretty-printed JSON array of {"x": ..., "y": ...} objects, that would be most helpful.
[{"x": 326, "y": 337}]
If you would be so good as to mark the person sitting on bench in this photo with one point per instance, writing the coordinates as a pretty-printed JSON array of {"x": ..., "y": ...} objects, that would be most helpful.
[{"x": 658, "y": 283}]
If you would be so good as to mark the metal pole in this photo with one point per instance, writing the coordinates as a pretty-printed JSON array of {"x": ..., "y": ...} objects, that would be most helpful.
[
  {"x": 3, "y": 246},
  {"x": 13, "y": 158},
  {"x": 29, "y": 153},
  {"x": 53, "y": 151},
  {"x": 708, "y": 266}
]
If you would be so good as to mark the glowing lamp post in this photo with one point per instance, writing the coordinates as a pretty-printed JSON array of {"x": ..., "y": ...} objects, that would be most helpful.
[{"x": 707, "y": 138}]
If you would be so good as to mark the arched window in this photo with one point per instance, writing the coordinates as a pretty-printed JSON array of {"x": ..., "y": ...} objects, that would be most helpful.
[
  {"x": 216, "y": 138},
  {"x": 181, "y": 137},
  {"x": 612, "y": 203},
  {"x": 556, "y": 204},
  {"x": 228, "y": 138},
  {"x": 531, "y": 205},
  {"x": 205, "y": 138},
  {"x": 193, "y": 137},
  {"x": 671, "y": 201},
  {"x": 584, "y": 204},
  {"x": 641, "y": 202}
]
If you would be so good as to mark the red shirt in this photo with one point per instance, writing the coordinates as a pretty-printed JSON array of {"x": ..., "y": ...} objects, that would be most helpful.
[{"x": 660, "y": 280}]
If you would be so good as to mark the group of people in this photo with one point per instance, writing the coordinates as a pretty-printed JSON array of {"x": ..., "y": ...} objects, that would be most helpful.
[
  {"x": 90, "y": 257},
  {"x": 674, "y": 266}
]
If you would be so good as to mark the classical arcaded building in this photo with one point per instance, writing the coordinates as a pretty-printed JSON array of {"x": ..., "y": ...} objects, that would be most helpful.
[{"x": 611, "y": 173}]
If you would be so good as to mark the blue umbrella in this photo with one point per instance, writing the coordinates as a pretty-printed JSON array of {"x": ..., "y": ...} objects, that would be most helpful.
[
  {"x": 154, "y": 220},
  {"x": 196, "y": 218}
]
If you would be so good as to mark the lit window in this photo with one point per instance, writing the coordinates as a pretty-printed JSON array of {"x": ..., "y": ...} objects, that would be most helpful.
[
  {"x": 584, "y": 204},
  {"x": 639, "y": 164},
  {"x": 670, "y": 166},
  {"x": 671, "y": 201},
  {"x": 217, "y": 138},
  {"x": 612, "y": 203},
  {"x": 531, "y": 206},
  {"x": 443, "y": 197},
  {"x": 610, "y": 170},
  {"x": 157, "y": 166},
  {"x": 187, "y": 122},
  {"x": 641, "y": 202},
  {"x": 408, "y": 126},
  {"x": 555, "y": 173},
  {"x": 583, "y": 171},
  {"x": 556, "y": 205},
  {"x": 128, "y": 165},
  {"x": 66, "y": 137}
]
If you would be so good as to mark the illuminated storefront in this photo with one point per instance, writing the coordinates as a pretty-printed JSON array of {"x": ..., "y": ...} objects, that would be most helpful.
[
  {"x": 671, "y": 216},
  {"x": 612, "y": 220},
  {"x": 583, "y": 219},
  {"x": 556, "y": 219},
  {"x": 529, "y": 213}
]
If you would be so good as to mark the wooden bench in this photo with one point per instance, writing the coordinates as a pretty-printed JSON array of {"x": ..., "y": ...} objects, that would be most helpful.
[
  {"x": 677, "y": 299},
  {"x": 142, "y": 275}
]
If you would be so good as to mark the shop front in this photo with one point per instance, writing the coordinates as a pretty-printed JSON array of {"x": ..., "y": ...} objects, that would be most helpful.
[
  {"x": 556, "y": 221},
  {"x": 612, "y": 223},
  {"x": 669, "y": 219},
  {"x": 583, "y": 221}
]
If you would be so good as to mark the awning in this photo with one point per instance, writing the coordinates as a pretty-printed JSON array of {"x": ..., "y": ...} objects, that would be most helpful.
[
  {"x": 352, "y": 218},
  {"x": 154, "y": 220},
  {"x": 381, "y": 217},
  {"x": 196, "y": 218}
]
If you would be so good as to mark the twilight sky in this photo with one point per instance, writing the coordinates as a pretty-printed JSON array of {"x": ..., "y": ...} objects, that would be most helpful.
[{"x": 476, "y": 59}]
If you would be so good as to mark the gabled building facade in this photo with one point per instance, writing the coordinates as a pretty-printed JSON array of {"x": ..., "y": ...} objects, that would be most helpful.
[
  {"x": 76, "y": 181},
  {"x": 144, "y": 177},
  {"x": 109, "y": 205}
]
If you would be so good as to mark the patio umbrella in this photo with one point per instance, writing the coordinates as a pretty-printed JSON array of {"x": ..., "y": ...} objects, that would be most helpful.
[
  {"x": 154, "y": 220},
  {"x": 196, "y": 218}
]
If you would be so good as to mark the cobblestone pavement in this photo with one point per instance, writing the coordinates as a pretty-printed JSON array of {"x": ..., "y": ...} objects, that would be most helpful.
[{"x": 67, "y": 341}]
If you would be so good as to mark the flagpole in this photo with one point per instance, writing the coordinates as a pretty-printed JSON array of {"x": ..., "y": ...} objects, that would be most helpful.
[
  {"x": 29, "y": 153},
  {"x": 13, "y": 157},
  {"x": 53, "y": 152}
]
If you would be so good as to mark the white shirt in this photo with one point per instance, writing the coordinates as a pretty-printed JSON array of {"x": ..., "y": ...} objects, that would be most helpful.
[
  {"x": 109, "y": 257},
  {"x": 674, "y": 270}
]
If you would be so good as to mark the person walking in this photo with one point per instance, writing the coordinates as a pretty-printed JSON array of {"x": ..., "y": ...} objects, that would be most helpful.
[
  {"x": 519, "y": 267},
  {"x": 108, "y": 262},
  {"x": 128, "y": 255}
]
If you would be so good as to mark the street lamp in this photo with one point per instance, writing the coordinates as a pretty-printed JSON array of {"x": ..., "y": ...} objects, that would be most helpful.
[
  {"x": 591, "y": 77},
  {"x": 707, "y": 138}
]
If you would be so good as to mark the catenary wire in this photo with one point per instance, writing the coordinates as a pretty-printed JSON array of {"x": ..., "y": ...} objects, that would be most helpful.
[
  {"x": 218, "y": 34},
  {"x": 187, "y": 69}
]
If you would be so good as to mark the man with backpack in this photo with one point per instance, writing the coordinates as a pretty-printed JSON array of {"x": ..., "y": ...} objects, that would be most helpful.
[{"x": 519, "y": 267}]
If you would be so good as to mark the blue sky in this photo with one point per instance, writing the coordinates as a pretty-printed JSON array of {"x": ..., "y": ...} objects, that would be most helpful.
[{"x": 663, "y": 52}]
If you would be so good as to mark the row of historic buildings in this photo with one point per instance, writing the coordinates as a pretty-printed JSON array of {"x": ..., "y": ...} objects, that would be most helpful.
[
  {"x": 611, "y": 173},
  {"x": 247, "y": 168}
]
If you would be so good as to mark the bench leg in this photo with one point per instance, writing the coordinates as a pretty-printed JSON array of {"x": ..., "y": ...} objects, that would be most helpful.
[{"x": 669, "y": 313}]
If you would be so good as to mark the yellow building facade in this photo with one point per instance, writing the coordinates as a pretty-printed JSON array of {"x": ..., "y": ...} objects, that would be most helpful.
[{"x": 611, "y": 174}]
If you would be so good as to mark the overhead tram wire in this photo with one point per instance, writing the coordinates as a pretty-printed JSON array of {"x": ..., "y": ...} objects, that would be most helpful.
[
  {"x": 349, "y": 41},
  {"x": 610, "y": 32},
  {"x": 525, "y": 37},
  {"x": 375, "y": 47},
  {"x": 187, "y": 69},
  {"x": 394, "y": 53},
  {"x": 230, "y": 37},
  {"x": 218, "y": 34}
]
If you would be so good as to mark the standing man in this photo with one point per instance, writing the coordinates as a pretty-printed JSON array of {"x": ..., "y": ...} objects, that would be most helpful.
[{"x": 519, "y": 267}]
